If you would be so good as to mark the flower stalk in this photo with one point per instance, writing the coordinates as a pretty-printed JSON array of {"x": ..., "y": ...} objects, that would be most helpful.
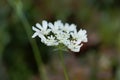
[
  {"x": 63, "y": 64},
  {"x": 17, "y": 6}
]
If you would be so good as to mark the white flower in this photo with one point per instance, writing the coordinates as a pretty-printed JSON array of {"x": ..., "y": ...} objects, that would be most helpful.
[
  {"x": 69, "y": 28},
  {"x": 39, "y": 34},
  {"x": 61, "y": 36},
  {"x": 59, "y": 33},
  {"x": 79, "y": 36},
  {"x": 74, "y": 47},
  {"x": 55, "y": 28},
  {"x": 51, "y": 41},
  {"x": 82, "y": 35},
  {"x": 41, "y": 30}
]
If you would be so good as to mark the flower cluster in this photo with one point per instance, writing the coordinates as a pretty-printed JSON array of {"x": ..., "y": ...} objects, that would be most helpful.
[{"x": 59, "y": 33}]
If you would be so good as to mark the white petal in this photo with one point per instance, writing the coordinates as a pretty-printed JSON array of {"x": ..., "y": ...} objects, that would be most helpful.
[
  {"x": 60, "y": 24},
  {"x": 66, "y": 25},
  {"x": 39, "y": 26},
  {"x": 44, "y": 24},
  {"x": 73, "y": 27},
  {"x": 82, "y": 32},
  {"x": 43, "y": 39},
  {"x": 85, "y": 38},
  {"x": 34, "y": 35},
  {"x": 35, "y": 29},
  {"x": 57, "y": 23},
  {"x": 51, "y": 25},
  {"x": 76, "y": 49}
]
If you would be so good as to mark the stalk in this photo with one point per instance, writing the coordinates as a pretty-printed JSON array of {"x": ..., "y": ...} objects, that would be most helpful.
[
  {"x": 63, "y": 64},
  {"x": 17, "y": 6},
  {"x": 117, "y": 76}
]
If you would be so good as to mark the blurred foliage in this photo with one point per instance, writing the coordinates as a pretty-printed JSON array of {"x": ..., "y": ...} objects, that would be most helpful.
[{"x": 101, "y": 18}]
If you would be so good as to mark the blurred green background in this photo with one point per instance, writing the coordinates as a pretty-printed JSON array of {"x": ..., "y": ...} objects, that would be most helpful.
[{"x": 99, "y": 59}]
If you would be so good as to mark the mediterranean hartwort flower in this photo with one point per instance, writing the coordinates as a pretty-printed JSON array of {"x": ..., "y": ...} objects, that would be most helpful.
[{"x": 59, "y": 33}]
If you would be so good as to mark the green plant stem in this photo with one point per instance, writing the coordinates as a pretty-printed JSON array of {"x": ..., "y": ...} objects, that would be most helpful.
[
  {"x": 94, "y": 65},
  {"x": 33, "y": 43},
  {"x": 63, "y": 64},
  {"x": 34, "y": 47},
  {"x": 117, "y": 76}
]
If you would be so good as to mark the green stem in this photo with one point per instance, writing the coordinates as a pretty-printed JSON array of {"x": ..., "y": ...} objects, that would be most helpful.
[
  {"x": 63, "y": 65},
  {"x": 117, "y": 76},
  {"x": 34, "y": 47},
  {"x": 94, "y": 66},
  {"x": 33, "y": 43}
]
